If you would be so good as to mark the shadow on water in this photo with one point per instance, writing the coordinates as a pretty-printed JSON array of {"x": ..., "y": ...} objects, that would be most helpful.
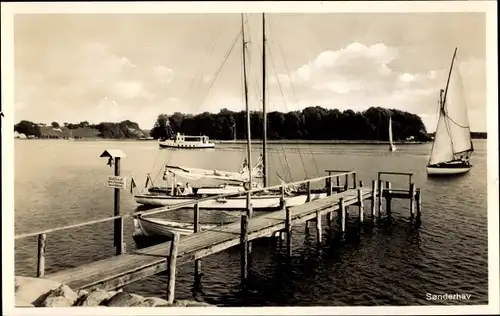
[{"x": 445, "y": 178}]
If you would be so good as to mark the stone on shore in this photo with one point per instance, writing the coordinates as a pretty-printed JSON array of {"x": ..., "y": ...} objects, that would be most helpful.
[
  {"x": 123, "y": 299},
  {"x": 62, "y": 296},
  {"x": 29, "y": 291},
  {"x": 151, "y": 302},
  {"x": 94, "y": 298}
]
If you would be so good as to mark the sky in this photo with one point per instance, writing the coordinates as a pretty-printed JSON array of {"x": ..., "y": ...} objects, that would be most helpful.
[{"x": 113, "y": 67}]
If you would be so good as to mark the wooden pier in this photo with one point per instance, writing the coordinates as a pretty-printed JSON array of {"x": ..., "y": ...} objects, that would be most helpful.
[{"x": 125, "y": 268}]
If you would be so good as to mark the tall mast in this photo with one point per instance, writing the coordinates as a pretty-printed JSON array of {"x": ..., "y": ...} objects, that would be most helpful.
[
  {"x": 448, "y": 81},
  {"x": 264, "y": 110},
  {"x": 249, "y": 137}
]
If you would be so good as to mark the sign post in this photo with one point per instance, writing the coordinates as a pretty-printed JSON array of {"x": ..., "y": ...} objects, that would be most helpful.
[{"x": 117, "y": 182}]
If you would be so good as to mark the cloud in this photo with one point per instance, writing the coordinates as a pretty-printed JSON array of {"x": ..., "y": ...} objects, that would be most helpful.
[
  {"x": 360, "y": 76},
  {"x": 163, "y": 73}
]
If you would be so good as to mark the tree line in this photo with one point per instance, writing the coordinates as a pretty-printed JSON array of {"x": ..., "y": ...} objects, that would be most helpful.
[
  {"x": 312, "y": 123},
  {"x": 124, "y": 129}
]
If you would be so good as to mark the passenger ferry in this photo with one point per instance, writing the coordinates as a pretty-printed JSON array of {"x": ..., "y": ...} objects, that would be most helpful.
[{"x": 183, "y": 141}]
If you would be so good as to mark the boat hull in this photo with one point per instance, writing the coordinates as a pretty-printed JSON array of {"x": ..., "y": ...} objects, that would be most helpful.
[
  {"x": 236, "y": 203},
  {"x": 450, "y": 168},
  {"x": 160, "y": 227},
  {"x": 186, "y": 145}
]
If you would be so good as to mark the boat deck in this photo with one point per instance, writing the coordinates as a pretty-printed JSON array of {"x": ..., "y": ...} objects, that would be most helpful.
[{"x": 117, "y": 271}]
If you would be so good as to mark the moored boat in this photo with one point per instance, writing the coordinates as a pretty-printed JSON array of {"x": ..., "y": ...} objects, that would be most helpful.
[
  {"x": 187, "y": 142},
  {"x": 452, "y": 146}
]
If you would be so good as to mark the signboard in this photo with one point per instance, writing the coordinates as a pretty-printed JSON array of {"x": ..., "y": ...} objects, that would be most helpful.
[{"x": 117, "y": 182}]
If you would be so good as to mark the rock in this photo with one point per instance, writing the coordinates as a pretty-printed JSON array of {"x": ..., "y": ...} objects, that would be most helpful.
[
  {"x": 56, "y": 301},
  {"x": 112, "y": 293},
  {"x": 94, "y": 298},
  {"x": 81, "y": 293},
  {"x": 123, "y": 299},
  {"x": 61, "y": 296},
  {"x": 151, "y": 302},
  {"x": 32, "y": 290},
  {"x": 187, "y": 303}
]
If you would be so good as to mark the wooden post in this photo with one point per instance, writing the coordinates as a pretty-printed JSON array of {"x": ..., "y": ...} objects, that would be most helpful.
[
  {"x": 307, "y": 227},
  {"x": 380, "y": 196},
  {"x": 244, "y": 248},
  {"x": 346, "y": 184},
  {"x": 361, "y": 206},
  {"x": 354, "y": 182},
  {"x": 374, "y": 198},
  {"x": 342, "y": 214},
  {"x": 42, "y": 246},
  {"x": 172, "y": 267},
  {"x": 319, "y": 230},
  {"x": 308, "y": 191},
  {"x": 419, "y": 202},
  {"x": 118, "y": 231},
  {"x": 412, "y": 199},
  {"x": 197, "y": 228},
  {"x": 249, "y": 214},
  {"x": 338, "y": 184},
  {"x": 288, "y": 230},
  {"x": 329, "y": 190},
  {"x": 388, "y": 197}
]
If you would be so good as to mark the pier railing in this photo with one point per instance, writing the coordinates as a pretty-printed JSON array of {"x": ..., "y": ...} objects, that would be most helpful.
[{"x": 120, "y": 246}]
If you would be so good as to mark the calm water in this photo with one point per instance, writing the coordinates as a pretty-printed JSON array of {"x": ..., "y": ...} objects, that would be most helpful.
[{"x": 389, "y": 262}]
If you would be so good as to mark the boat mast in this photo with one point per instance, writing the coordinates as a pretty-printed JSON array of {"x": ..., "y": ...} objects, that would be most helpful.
[
  {"x": 245, "y": 87},
  {"x": 264, "y": 111},
  {"x": 448, "y": 81}
]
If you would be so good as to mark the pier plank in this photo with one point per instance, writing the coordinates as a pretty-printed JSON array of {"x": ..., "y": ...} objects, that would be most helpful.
[{"x": 122, "y": 269}]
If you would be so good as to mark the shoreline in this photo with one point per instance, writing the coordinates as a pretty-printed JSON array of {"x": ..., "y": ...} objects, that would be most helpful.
[{"x": 255, "y": 141}]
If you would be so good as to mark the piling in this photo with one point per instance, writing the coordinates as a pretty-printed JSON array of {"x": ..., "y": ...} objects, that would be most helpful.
[
  {"x": 307, "y": 227},
  {"x": 361, "y": 206},
  {"x": 388, "y": 198},
  {"x": 374, "y": 198},
  {"x": 308, "y": 191},
  {"x": 412, "y": 199},
  {"x": 172, "y": 267},
  {"x": 346, "y": 184},
  {"x": 249, "y": 212},
  {"x": 197, "y": 228},
  {"x": 42, "y": 246},
  {"x": 418, "y": 199},
  {"x": 329, "y": 186},
  {"x": 380, "y": 196},
  {"x": 244, "y": 248},
  {"x": 319, "y": 230},
  {"x": 288, "y": 230},
  {"x": 342, "y": 214},
  {"x": 118, "y": 231}
]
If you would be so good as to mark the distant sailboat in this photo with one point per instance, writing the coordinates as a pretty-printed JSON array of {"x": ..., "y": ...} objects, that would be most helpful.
[
  {"x": 452, "y": 145},
  {"x": 392, "y": 147}
]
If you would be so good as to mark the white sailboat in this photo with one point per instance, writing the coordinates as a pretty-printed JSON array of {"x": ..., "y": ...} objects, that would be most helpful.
[
  {"x": 452, "y": 146},
  {"x": 392, "y": 147},
  {"x": 235, "y": 181}
]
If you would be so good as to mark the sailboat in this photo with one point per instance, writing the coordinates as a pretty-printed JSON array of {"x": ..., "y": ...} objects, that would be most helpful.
[
  {"x": 235, "y": 181},
  {"x": 392, "y": 147},
  {"x": 452, "y": 146}
]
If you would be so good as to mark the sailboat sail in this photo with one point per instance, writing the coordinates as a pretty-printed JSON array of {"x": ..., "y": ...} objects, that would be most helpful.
[
  {"x": 442, "y": 150},
  {"x": 390, "y": 131},
  {"x": 452, "y": 138},
  {"x": 457, "y": 121},
  {"x": 198, "y": 173}
]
